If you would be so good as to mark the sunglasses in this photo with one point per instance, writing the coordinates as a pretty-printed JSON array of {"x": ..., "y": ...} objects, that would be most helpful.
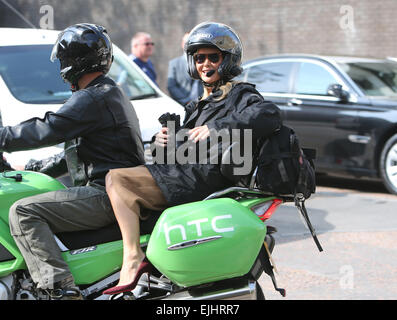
[
  {"x": 148, "y": 44},
  {"x": 213, "y": 57}
]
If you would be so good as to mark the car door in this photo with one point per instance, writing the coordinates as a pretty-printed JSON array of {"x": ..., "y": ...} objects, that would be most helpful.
[
  {"x": 322, "y": 121},
  {"x": 273, "y": 79}
]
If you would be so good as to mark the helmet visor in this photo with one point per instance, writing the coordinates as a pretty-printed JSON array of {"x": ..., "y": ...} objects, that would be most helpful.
[
  {"x": 56, "y": 47},
  {"x": 54, "y": 53}
]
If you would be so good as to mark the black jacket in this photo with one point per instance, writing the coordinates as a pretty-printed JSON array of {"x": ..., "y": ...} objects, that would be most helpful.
[
  {"x": 99, "y": 119},
  {"x": 180, "y": 85},
  {"x": 242, "y": 108}
]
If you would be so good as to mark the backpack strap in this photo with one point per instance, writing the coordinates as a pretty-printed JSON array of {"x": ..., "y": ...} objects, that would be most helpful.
[{"x": 277, "y": 154}]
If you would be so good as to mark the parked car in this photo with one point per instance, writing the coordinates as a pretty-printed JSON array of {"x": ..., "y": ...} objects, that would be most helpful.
[
  {"x": 344, "y": 107},
  {"x": 30, "y": 85}
]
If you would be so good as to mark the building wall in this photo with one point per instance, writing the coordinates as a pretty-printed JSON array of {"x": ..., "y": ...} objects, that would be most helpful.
[{"x": 339, "y": 27}]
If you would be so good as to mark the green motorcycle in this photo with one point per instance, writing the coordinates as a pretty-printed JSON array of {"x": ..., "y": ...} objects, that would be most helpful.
[{"x": 216, "y": 248}]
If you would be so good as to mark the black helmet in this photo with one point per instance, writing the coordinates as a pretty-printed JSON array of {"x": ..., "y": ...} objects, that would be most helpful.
[
  {"x": 82, "y": 48},
  {"x": 222, "y": 37}
]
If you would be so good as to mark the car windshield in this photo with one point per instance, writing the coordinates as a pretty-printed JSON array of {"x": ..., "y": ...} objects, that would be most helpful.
[
  {"x": 33, "y": 78},
  {"x": 374, "y": 78}
]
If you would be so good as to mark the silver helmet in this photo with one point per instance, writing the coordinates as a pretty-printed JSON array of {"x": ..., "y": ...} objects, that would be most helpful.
[{"x": 222, "y": 37}]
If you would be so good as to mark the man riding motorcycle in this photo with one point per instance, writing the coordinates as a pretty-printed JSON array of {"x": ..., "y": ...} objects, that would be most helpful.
[{"x": 101, "y": 131}]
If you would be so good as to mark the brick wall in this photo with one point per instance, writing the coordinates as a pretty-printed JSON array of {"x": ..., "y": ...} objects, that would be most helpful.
[{"x": 265, "y": 26}]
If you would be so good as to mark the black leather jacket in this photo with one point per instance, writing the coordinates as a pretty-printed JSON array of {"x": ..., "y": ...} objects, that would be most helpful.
[
  {"x": 242, "y": 108},
  {"x": 99, "y": 120}
]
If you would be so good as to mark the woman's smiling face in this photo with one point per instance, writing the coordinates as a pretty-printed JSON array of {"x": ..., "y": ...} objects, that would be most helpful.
[{"x": 206, "y": 60}]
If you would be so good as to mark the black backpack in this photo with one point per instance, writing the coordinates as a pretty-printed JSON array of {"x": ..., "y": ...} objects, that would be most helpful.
[{"x": 285, "y": 169}]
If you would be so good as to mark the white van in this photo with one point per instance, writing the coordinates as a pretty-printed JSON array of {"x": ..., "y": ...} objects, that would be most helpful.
[{"x": 30, "y": 85}]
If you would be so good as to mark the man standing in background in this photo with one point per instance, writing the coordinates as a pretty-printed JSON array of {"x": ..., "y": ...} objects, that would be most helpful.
[
  {"x": 181, "y": 86},
  {"x": 142, "y": 47}
]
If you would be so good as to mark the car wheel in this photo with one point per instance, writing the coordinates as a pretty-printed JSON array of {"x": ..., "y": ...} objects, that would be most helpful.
[{"x": 388, "y": 164}]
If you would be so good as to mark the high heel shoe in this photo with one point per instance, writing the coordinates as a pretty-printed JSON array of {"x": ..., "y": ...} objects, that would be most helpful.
[{"x": 144, "y": 267}]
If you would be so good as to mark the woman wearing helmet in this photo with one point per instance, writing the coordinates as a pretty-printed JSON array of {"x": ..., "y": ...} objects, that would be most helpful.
[{"x": 214, "y": 55}]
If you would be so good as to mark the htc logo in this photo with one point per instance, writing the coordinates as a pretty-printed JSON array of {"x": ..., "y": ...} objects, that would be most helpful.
[{"x": 197, "y": 224}]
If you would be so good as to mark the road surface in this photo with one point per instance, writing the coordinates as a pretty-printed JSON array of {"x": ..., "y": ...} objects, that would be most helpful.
[{"x": 357, "y": 227}]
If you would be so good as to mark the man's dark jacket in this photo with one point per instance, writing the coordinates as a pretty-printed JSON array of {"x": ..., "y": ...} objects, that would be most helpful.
[
  {"x": 99, "y": 118},
  {"x": 242, "y": 108},
  {"x": 180, "y": 85}
]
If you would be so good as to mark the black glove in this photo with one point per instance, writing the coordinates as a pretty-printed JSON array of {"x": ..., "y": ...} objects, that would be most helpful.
[
  {"x": 34, "y": 165},
  {"x": 53, "y": 166},
  {"x": 4, "y": 165},
  {"x": 166, "y": 117}
]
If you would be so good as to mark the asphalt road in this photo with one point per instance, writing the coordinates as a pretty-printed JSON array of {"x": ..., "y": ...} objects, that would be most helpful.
[{"x": 356, "y": 224}]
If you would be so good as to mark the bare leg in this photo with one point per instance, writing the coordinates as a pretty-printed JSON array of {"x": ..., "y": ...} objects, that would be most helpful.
[{"x": 128, "y": 221}]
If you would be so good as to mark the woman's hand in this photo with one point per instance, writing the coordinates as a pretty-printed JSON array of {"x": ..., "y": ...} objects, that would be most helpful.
[
  {"x": 199, "y": 133},
  {"x": 162, "y": 137}
]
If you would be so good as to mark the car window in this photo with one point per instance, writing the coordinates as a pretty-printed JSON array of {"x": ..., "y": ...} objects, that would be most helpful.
[
  {"x": 33, "y": 78},
  {"x": 270, "y": 77},
  {"x": 130, "y": 80},
  {"x": 313, "y": 79},
  {"x": 374, "y": 78}
]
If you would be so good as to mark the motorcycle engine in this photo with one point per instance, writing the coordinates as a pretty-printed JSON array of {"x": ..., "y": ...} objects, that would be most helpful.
[
  {"x": 25, "y": 289},
  {"x": 5, "y": 288}
]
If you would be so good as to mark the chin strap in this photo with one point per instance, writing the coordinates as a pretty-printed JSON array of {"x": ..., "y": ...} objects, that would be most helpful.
[{"x": 215, "y": 85}]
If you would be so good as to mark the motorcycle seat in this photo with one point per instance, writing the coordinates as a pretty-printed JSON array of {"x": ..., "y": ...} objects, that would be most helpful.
[{"x": 86, "y": 238}]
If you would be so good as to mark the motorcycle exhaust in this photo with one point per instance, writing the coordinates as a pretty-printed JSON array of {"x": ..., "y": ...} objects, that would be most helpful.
[{"x": 231, "y": 289}]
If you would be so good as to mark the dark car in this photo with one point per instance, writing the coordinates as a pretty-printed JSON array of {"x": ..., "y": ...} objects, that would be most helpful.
[{"x": 344, "y": 107}]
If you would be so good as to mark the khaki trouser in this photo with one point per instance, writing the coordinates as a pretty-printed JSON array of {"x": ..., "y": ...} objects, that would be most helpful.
[{"x": 34, "y": 220}]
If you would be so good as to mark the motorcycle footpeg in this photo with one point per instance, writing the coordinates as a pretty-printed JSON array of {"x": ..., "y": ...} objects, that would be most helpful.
[
  {"x": 282, "y": 291},
  {"x": 65, "y": 294},
  {"x": 269, "y": 267}
]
